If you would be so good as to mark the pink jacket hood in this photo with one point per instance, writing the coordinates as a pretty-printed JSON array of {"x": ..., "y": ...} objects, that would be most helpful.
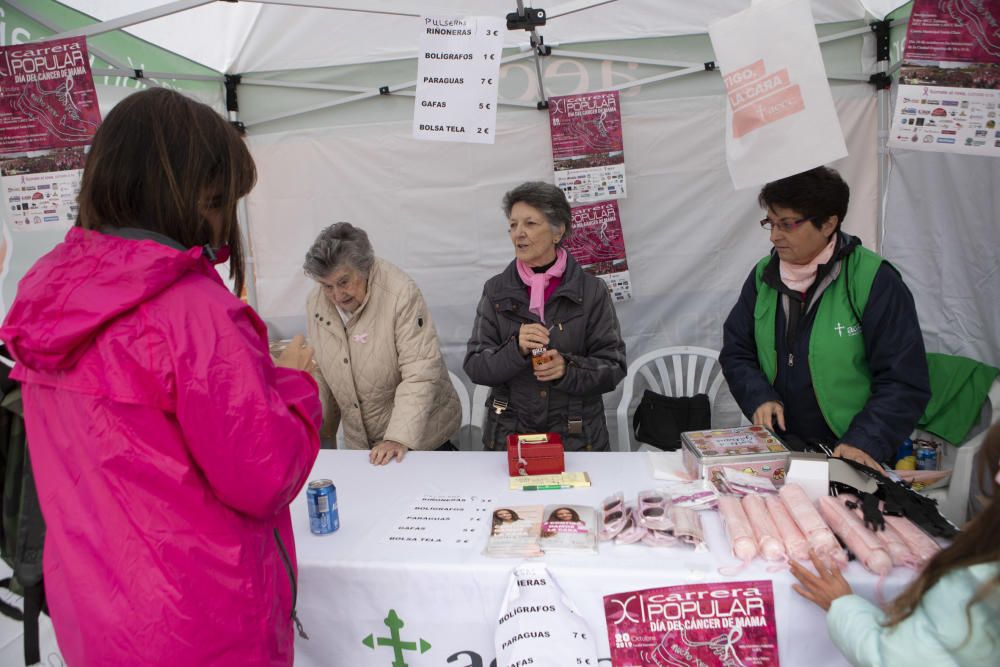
[{"x": 100, "y": 277}]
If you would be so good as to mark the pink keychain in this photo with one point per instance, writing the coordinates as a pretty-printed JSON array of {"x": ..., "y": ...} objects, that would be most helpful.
[
  {"x": 766, "y": 533},
  {"x": 738, "y": 528},
  {"x": 922, "y": 546},
  {"x": 817, "y": 533},
  {"x": 861, "y": 541},
  {"x": 795, "y": 542}
]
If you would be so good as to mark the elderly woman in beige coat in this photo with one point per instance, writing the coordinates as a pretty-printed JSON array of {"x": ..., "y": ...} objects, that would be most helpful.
[{"x": 379, "y": 366}]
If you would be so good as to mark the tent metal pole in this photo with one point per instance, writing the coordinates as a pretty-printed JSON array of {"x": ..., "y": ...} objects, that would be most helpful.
[
  {"x": 660, "y": 77},
  {"x": 130, "y": 72},
  {"x": 43, "y": 20},
  {"x": 585, "y": 55},
  {"x": 361, "y": 6},
  {"x": 575, "y": 6},
  {"x": 132, "y": 19},
  {"x": 250, "y": 81}
]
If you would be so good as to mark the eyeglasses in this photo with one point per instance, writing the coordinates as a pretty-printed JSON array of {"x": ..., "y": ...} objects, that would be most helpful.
[{"x": 784, "y": 227}]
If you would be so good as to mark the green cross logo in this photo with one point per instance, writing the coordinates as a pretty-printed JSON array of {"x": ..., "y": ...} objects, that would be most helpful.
[{"x": 395, "y": 623}]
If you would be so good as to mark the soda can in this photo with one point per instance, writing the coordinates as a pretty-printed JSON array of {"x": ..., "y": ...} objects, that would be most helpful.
[
  {"x": 926, "y": 457},
  {"x": 324, "y": 518}
]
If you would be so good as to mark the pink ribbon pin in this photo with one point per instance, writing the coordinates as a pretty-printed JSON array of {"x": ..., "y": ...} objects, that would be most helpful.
[{"x": 360, "y": 338}]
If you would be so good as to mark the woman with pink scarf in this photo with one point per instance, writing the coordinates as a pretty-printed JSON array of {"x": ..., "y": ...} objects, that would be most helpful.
[
  {"x": 824, "y": 343},
  {"x": 546, "y": 337}
]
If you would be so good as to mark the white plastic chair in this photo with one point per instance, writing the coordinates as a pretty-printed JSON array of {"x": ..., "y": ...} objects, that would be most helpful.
[
  {"x": 463, "y": 400},
  {"x": 953, "y": 500},
  {"x": 479, "y": 394},
  {"x": 672, "y": 371}
]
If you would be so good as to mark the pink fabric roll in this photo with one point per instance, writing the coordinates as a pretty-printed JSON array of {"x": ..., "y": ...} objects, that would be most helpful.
[
  {"x": 818, "y": 534},
  {"x": 892, "y": 541},
  {"x": 921, "y": 545},
  {"x": 795, "y": 542},
  {"x": 738, "y": 528},
  {"x": 765, "y": 532},
  {"x": 862, "y": 542}
]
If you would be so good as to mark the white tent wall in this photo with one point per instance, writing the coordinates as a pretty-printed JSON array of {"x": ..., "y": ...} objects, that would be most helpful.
[
  {"x": 434, "y": 210},
  {"x": 943, "y": 233}
]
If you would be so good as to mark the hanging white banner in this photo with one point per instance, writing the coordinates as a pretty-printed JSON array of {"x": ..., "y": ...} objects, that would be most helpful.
[
  {"x": 780, "y": 118},
  {"x": 458, "y": 75}
]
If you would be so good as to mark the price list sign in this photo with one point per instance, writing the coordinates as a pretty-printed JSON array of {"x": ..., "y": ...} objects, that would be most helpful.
[{"x": 458, "y": 72}]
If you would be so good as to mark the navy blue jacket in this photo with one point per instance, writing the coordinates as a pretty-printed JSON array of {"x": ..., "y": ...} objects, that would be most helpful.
[{"x": 893, "y": 344}]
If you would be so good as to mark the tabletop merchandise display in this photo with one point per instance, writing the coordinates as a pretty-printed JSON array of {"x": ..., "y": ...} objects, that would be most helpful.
[{"x": 424, "y": 577}]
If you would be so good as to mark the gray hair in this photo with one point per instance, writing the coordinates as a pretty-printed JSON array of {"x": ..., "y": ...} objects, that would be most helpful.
[
  {"x": 339, "y": 244},
  {"x": 550, "y": 202}
]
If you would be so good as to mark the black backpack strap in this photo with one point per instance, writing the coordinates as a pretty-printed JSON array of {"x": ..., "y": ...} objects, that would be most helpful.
[{"x": 34, "y": 600}]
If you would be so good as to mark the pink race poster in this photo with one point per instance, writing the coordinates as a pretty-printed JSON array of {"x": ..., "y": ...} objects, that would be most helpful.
[
  {"x": 587, "y": 154},
  {"x": 47, "y": 96},
  {"x": 954, "y": 31},
  {"x": 709, "y": 625},
  {"x": 597, "y": 244}
]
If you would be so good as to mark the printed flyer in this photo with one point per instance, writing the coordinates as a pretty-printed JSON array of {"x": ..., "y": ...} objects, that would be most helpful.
[
  {"x": 587, "y": 152},
  {"x": 716, "y": 624},
  {"x": 39, "y": 192},
  {"x": 949, "y": 83},
  {"x": 597, "y": 244},
  {"x": 47, "y": 96},
  {"x": 442, "y": 521}
]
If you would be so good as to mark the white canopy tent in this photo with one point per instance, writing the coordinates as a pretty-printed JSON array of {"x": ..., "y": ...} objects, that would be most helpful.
[{"x": 329, "y": 147}]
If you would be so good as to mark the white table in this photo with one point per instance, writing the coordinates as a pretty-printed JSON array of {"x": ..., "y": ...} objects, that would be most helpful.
[{"x": 450, "y": 598}]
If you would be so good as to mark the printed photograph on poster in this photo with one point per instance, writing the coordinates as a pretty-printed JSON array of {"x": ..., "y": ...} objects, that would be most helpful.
[
  {"x": 587, "y": 150},
  {"x": 47, "y": 96},
  {"x": 714, "y": 624},
  {"x": 598, "y": 246},
  {"x": 39, "y": 192},
  {"x": 949, "y": 82},
  {"x": 442, "y": 521}
]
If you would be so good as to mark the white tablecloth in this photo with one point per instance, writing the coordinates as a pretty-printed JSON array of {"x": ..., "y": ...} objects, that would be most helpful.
[{"x": 450, "y": 597}]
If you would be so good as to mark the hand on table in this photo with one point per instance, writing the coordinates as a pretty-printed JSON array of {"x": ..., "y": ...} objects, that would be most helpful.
[
  {"x": 552, "y": 368},
  {"x": 846, "y": 451},
  {"x": 386, "y": 451},
  {"x": 823, "y": 587},
  {"x": 530, "y": 337},
  {"x": 768, "y": 413},
  {"x": 297, "y": 356}
]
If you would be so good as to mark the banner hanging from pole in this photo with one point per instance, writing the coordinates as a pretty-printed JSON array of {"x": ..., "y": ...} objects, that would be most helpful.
[
  {"x": 780, "y": 117},
  {"x": 587, "y": 150},
  {"x": 948, "y": 96},
  {"x": 458, "y": 76},
  {"x": 47, "y": 96}
]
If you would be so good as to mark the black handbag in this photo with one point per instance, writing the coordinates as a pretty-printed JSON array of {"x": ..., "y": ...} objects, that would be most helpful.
[{"x": 659, "y": 420}]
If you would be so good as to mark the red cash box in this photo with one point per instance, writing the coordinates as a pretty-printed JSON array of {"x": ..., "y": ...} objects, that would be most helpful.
[{"x": 535, "y": 454}]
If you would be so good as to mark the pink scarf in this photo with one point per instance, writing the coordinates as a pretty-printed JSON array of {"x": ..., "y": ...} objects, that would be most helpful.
[
  {"x": 539, "y": 281},
  {"x": 800, "y": 277}
]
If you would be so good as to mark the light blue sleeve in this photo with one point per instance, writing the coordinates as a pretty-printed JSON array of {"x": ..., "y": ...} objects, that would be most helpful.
[
  {"x": 937, "y": 633},
  {"x": 855, "y": 626}
]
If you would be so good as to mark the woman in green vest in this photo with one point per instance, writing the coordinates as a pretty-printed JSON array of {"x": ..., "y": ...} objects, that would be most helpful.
[{"x": 824, "y": 343}]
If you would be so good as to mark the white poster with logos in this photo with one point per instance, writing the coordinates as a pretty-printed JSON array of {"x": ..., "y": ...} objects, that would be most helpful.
[
  {"x": 458, "y": 74},
  {"x": 780, "y": 117}
]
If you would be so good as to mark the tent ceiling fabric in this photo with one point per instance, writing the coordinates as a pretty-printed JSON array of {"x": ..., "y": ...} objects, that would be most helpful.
[{"x": 257, "y": 37}]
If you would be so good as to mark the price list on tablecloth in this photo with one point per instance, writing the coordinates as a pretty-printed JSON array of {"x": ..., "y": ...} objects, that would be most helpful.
[
  {"x": 443, "y": 520},
  {"x": 458, "y": 73}
]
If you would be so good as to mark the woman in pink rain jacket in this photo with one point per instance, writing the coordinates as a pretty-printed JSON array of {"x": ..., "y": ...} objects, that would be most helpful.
[{"x": 166, "y": 445}]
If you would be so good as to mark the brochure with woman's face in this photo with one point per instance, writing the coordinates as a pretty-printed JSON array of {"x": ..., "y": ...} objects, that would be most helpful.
[{"x": 569, "y": 528}]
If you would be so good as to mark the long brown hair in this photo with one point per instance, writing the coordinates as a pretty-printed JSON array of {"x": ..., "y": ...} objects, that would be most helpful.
[
  {"x": 155, "y": 159},
  {"x": 977, "y": 543}
]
